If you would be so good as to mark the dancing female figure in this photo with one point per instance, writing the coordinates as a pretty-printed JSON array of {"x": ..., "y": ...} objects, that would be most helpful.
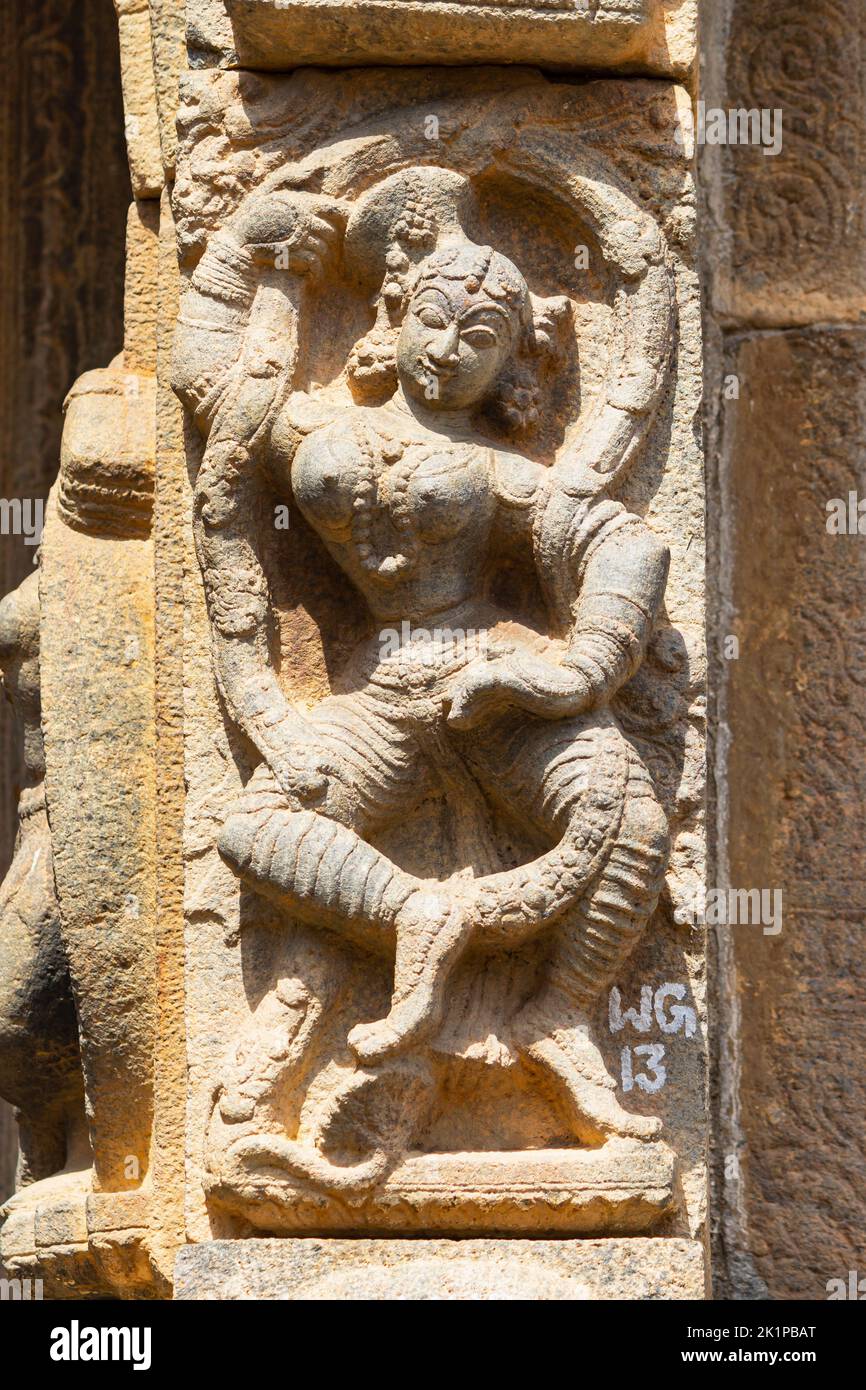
[{"x": 412, "y": 499}]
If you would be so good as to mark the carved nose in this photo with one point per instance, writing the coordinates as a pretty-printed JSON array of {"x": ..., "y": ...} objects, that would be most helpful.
[{"x": 443, "y": 349}]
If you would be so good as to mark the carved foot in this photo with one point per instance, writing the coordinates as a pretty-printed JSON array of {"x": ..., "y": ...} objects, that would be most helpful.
[
  {"x": 574, "y": 1060},
  {"x": 432, "y": 933}
]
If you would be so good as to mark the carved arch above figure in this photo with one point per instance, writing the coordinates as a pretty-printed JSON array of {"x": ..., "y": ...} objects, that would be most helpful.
[{"x": 631, "y": 243}]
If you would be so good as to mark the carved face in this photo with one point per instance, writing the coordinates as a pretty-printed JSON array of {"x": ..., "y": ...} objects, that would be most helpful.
[{"x": 454, "y": 342}]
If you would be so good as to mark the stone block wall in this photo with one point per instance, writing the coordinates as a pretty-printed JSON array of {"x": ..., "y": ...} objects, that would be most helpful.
[{"x": 785, "y": 278}]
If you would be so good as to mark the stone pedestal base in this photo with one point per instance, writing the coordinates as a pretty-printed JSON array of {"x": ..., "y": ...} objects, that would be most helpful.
[
  {"x": 467, "y": 1270},
  {"x": 78, "y": 1243},
  {"x": 624, "y": 1188}
]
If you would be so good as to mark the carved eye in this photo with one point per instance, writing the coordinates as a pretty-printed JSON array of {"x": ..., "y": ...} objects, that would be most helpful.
[
  {"x": 479, "y": 336},
  {"x": 430, "y": 317}
]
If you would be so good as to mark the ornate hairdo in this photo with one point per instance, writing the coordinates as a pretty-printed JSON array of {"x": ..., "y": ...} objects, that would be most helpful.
[{"x": 482, "y": 271}]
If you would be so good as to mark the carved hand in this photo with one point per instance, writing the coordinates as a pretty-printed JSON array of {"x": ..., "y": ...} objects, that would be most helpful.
[
  {"x": 521, "y": 680},
  {"x": 300, "y": 772},
  {"x": 303, "y": 228}
]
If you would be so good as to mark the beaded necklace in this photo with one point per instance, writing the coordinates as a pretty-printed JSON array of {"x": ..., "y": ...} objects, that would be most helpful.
[{"x": 385, "y": 474}]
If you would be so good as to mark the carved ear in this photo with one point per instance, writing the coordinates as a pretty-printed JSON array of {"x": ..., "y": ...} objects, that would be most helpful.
[{"x": 551, "y": 320}]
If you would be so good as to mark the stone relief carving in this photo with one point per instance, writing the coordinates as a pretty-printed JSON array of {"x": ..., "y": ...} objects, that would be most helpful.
[
  {"x": 449, "y": 449},
  {"x": 413, "y": 692}
]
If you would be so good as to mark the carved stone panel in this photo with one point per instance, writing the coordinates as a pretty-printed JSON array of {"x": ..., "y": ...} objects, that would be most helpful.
[
  {"x": 784, "y": 244},
  {"x": 439, "y": 349},
  {"x": 800, "y": 1123},
  {"x": 632, "y": 35}
]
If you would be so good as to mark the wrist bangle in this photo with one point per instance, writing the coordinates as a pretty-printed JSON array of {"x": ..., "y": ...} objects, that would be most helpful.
[{"x": 226, "y": 271}]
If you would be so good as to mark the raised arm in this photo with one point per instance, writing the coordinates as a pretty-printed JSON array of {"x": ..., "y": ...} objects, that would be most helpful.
[
  {"x": 234, "y": 365},
  {"x": 239, "y": 311}
]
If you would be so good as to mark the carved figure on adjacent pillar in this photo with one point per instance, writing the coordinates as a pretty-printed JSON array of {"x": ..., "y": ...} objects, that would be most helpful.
[{"x": 40, "y": 1062}]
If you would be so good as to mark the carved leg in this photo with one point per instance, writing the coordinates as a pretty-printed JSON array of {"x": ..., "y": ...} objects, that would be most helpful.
[
  {"x": 316, "y": 868},
  {"x": 591, "y": 944},
  {"x": 592, "y": 789},
  {"x": 317, "y": 863},
  {"x": 326, "y": 873},
  {"x": 504, "y": 909},
  {"x": 433, "y": 928}
]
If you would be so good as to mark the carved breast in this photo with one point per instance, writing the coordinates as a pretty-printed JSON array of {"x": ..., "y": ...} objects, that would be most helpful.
[
  {"x": 325, "y": 478},
  {"x": 351, "y": 482},
  {"x": 441, "y": 489}
]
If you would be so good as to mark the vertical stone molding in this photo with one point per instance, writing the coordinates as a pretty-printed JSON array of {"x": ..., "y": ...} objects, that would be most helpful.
[
  {"x": 91, "y": 616},
  {"x": 791, "y": 1098},
  {"x": 784, "y": 260},
  {"x": 64, "y": 187}
]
